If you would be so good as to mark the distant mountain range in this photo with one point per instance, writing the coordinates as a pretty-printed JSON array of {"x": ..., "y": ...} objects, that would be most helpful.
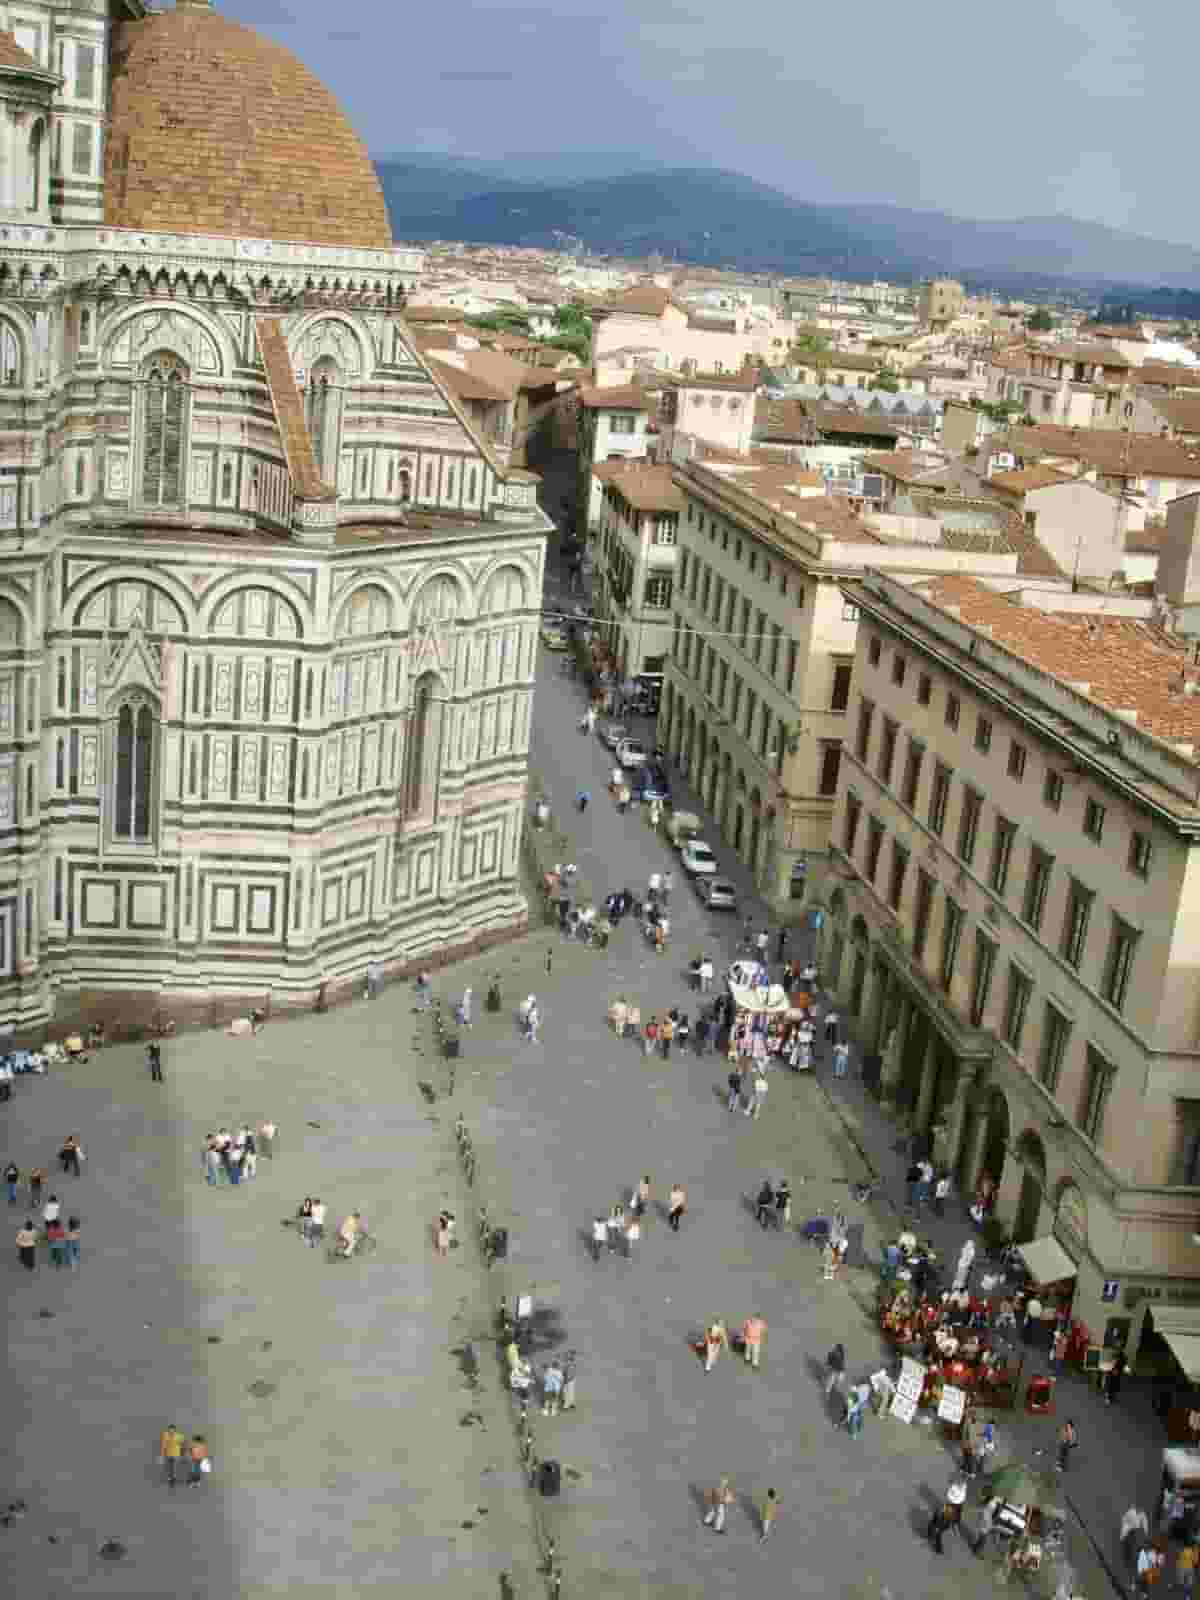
[{"x": 718, "y": 218}]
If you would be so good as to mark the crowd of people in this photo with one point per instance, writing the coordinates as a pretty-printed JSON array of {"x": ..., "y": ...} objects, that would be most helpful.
[{"x": 231, "y": 1157}]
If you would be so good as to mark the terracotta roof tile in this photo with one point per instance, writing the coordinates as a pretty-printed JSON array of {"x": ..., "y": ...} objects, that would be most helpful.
[
  {"x": 213, "y": 128},
  {"x": 619, "y": 397},
  {"x": 467, "y": 385},
  {"x": 1027, "y": 478},
  {"x": 1127, "y": 665},
  {"x": 1112, "y": 452},
  {"x": 642, "y": 300},
  {"x": 1180, "y": 411},
  {"x": 646, "y": 486}
]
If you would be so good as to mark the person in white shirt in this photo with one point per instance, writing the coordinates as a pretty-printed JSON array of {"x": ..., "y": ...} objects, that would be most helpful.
[
  {"x": 51, "y": 1211},
  {"x": 706, "y": 975},
  {"x": 316, "y": 1223},
  {"x": 350, "y": 1232},
  {"x": 599, "y": 1237}
]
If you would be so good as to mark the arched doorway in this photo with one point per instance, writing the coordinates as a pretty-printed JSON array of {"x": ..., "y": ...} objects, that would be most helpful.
[
  {"x": 1031, "y": 1153},
  {"x": 755, "y": 833},
  {"x": 995, "y": 1139},
  {"x": 858, "y": 970}
]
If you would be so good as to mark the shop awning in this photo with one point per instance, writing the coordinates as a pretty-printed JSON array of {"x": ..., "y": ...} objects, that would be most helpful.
[
  {"x": 1180, "y": 1327},
  {"x": 1047, "y": 1261}
]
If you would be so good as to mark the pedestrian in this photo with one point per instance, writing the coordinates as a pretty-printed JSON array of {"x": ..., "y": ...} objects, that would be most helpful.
[
  {"x": 170, "y": 1450},
  {"x": 568, "y": 1394},
  {"x": 56, "y": 1236},
  {"x": 972, "y": 1439},
  {"x": 72, "y": 1242},
  {"x": 759, "y": 1096},
  {"x": 941, "y": 1190},
  {"x": 154, "y": 1055},
  {"x": 765, "y": 1204},
  {"x": 441, "y": 1235},
  {"x": 783, "y": 1204},
  {"x": 464, "y": 1007},
  {"x": 52, "y": 1210},
  {"x": 651, "y": 1034},
  {"x": 987, "y": 1518},
  {"x": 266, "y": 1140},
  {"x": 36, "y": 1179},
  {"x": 26, "y": 1245},
  {"x": 1113, "y": 1378},
  {"x": 12, "y": 1177},
  {"x": 924, "y": 1182},
  {"x": 581, "y": 800},
  {"x": 616, "y": 1228},
  {"x": 676, "y": 1206},
  {"x": 841, "y": 1059},
  {"x": 753, "y": 1331},
  {"x": 423, "y": 991},
  {"x": 552, "y": 1388},
  {"x": 1058, "y": 1349},
  {"x": 761, "y": 944},
  {"x": 599, "y": 1239},
  {"x": 1068, "y": 1440},
  {"x": 1147, "y": 1569},
  {"x": 856, "y": 1407},
  {"x": 770, "y": 1510},
  {"x": 705, "y": 972},
  {"x": 668, "y": 883},
  {"x": 666, "y": 1033},
  {"x": 835, "y": 1368},
  {"x": 200, "y": 1462},
  {"x": 781, "y": 944},
  {"x": 1135, "y": 1528},
  {"x": 1185, "y": 1568},
  {"x": 640, "y": 1198},
  {"x": 962, "y": 1270},
  {"x": 701, "y": 1031},
  {"x": 683, "y": 1029},
  {"x": 719, "y": 1500},
  {"x": 831, "y": 1027},
  {"x": 249, "y": 1155},
  {"x": 316, "y": 1223},
  {"x": 633, "y": 1234},
  {"x": 735, "y": 1088},
  {"x": 212, "y": 1160},
  {"x": 716, "y": 1339},
  {"x": 71, "y": 1155}
]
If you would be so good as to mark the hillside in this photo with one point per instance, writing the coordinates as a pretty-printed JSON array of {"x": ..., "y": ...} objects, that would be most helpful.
[{"x": 723, "y": 218}]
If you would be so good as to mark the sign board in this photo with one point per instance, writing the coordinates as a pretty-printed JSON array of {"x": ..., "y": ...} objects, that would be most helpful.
[
  {"x": 952, "y": 1404},
  {"x": 1111, "y": 1289},
  {"x": 911, "y": 1380},
  {"x": 903, "y": 1408}
]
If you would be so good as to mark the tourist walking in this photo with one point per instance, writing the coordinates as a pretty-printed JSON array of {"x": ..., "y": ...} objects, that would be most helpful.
[
  {"x": 676, "y": 1206},
  {"x": 765, "y": 1204},
  {"x": 640, "y": 1198},
  {"x": 154, "y": 1056},
  {"x": 941, "y": 1190},
  {"x": 56, "y": 1236},
  {"x": 666, "y": 1033},
  {"x": 266, "y": 1140},
  {"x": 12, "y": 1177},
  {"x": 831, "y": 1027},
  {"x": 27, "y": 1245},
  {"x": 37, "y": 1179},
  {"x": 841, "y": 1059},
  {"x": 770, "y": 1510},
  {"x": 464, "y": 1007},
  {"x": 651, "y": 1034},
  {"x": 1114, "y": 1377},
  {"x": 705, "y": 973},
  {"x": 783, "y": 1204},
  {"x": 753, "y": 1332},
  {"x": 170, "y": 1451},
  {"x": 72, "y": 1242},
  {"x": 633, "y": 1234},
  {"x": 316, "y": 1224},
  {"x": 835, "y": 1369},
  {"x": 719, "y": 1499},
  {"x": 716, "y": 1339},
  {"x": 71, "y": 1155},
  {"x": 1068, "y": 1442},
  {"x": 735, "y": 1089},
  {"x": 199, "y": 1459},
  {"x": 599, "y": 1239}
]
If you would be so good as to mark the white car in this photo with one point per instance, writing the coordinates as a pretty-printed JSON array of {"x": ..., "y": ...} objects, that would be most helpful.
[
  {"x": 698, "y": 859},
  {"x": 632, "y": 754},
  {"x": 718, "y": 894},
  {"x": 612, "y": 733}
]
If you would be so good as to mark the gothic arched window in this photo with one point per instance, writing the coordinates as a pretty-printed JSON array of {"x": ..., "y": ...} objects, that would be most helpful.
[
  {"x": 164, "y": 431},
  {"x": 134, "y": 740},
  {"x": 323, "y": 414},
  {"x": 10, "y": 355},
  {"x": 424, "y": 745},
  {"x": 37, "y": 137}
]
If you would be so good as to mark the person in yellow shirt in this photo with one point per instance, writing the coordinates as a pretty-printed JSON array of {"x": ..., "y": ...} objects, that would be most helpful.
[{"x": 170, "y": 1448}]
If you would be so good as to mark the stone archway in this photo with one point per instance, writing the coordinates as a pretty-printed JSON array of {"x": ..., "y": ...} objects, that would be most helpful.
[
  {"x": 995, "y": 1138},
  {"x": 1031, "y": 1153}
]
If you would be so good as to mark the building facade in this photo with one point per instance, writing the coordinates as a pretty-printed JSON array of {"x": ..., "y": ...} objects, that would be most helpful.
[
  {"x": 1018, "y": 841},
  {"x": 762, "y": 644},
  {"x": 268, "y": 602},
  {"x": 612, "y": 427},
  {"x": 635, "y": 562}
]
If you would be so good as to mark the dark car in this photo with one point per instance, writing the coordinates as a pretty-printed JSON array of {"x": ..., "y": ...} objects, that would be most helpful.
[{"x": 652, "y": 783}]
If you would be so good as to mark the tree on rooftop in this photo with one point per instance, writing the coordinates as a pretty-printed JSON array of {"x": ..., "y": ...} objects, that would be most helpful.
[{"x": 1041, "y": 321}]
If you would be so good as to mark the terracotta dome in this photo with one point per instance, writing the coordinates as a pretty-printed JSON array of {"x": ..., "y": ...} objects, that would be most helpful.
[{"x": 214, "y": 129}]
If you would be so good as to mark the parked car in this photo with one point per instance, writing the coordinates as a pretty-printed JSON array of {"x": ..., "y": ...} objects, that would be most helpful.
[
  {"x": 651, "y": 783},
  {"x": 554, "y": 638},
  {"x": 682, "y": 826},
  {"x": 632, "y": 753},
  {"x": 718, "y": 894},
  {"x": 698, "y": 859},
  {"x": 611, "y": 733}
]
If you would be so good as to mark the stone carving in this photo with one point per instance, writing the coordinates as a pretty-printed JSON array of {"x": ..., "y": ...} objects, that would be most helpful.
[
  {"x": 281, "y": 689},
  {"x": 220, "y": 767},
  {"x": 90, "y": 675},
  {"x": 278, "y": 771},
  {"x": 6, "y": 703},
  {"x": 333, "y": 340},
  {"x": 223, "y": 687},
  {"x": 117, "y": 468},
  {"x": 89, "y": 753},
  {"x": 252, "y": 690},
  {"x": 248, "y": 768}
]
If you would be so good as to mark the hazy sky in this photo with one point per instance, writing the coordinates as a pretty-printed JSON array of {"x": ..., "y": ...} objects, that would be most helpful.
[{"x": 1018, "y": 110}]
